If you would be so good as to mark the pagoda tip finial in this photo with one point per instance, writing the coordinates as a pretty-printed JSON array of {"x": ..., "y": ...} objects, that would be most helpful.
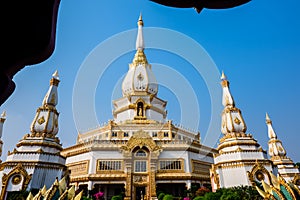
[
  {"x": 55, "y": 75},
  {"x": 140, "y": 21},
  {"x": 268, "y": 120},
  {"x": 223, "y": 76},
  {"x": 3, "y": 115}
]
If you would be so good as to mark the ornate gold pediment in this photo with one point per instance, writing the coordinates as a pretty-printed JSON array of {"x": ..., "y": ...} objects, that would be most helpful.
[{"x": 140, "y": 139}]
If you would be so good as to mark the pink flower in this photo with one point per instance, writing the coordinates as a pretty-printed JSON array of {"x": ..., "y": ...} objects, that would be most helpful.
[{"x": 98, "y": 195}]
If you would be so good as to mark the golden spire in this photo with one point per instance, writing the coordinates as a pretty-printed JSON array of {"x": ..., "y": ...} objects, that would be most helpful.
[
  {"x": 140, "y": 57},
  {"x": 139, "y": 45},
  {"x": 271, "y": 132}
]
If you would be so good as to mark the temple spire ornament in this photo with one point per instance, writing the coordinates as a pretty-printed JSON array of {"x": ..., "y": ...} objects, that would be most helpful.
[
  {"x": 275, "y": 146},
  {"x": 271, "y": 132},
  {"x": 139, "y": 88},
  {"x": 283, "y": 165},
  {"x": 139, "y": 57},
  {"x": 2, "y": 120},
  {"x": 46, "y": 118},
  {"x": 227, "y": 99},
  {"x": 232, "y": 119},
  {"x": 240, "y": 159},
  {"x": 51, "y": 97},
  {"x": 37, "y": 155},
  {"x": 139, "y": 45}
]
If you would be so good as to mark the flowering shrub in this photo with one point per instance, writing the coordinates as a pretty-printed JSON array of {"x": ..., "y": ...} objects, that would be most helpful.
[
  {"x": 99, "y": 195},
  {"x": 202, "y": 191}
]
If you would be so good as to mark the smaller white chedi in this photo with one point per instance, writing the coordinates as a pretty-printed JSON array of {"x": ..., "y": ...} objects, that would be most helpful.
[
  {"x": 284, "y": 166},
  {"x": 36, "y": 161},
  {"x": 240, "y": 159}
]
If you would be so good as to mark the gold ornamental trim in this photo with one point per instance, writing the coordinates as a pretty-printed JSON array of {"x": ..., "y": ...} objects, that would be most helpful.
[
  {"x": 17, "y": 170},
  {"x": 39, "y": 151},
  {"x": 98, "y": 171},
  {"x": 54, "y": 82},
  {"x": 237, "y": 143},
  {"x": 99, "y": 177},
  {"x": 139, "y": 59},
  {"x": 16, "y": 179},
  {"x": 39, "y": 143},
  {"x": 181, "y": 170},
  {"x": 182, "y": 176},
  {"x": 296, "y": 180},
  {"x": 258, "y": 173},
  {"x": 36, "y": 164},
  {"x": 140, "y": 139},
  {"x": 241, "y": 163},
  {"x": 79, "y": 168}
]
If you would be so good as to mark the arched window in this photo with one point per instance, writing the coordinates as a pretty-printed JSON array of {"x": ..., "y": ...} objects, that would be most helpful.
[{"x": 140, "y": 153}]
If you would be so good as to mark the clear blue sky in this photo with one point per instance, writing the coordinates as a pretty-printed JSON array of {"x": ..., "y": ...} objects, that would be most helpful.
[{"x": 257, "y": 45}]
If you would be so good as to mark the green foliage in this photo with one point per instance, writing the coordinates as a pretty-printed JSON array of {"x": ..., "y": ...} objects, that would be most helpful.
[
  {"x": 17, "y": 195},
  {"x": 86, "y": 198},
  {"x": 213, "y": 195},
  {"x": 117, "y": 197},
  {"x": 161, "y": 196},
  {"x": 199, "y": 198},
  {"x": 168, "y": 197},
  {"x": 234, "y": 193}
]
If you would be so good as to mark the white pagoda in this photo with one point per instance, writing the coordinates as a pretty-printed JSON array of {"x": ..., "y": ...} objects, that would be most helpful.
[
  {"x": 284, "y": 166},
  {"x": 36, "y": 161},
  {"x": 240, "y": 159}
]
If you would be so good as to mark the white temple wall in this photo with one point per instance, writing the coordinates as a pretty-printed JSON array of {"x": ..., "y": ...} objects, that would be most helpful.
[
  {"x": 230, "y": 177},
  {"x": 13, "y": 187},
  {"x": 43, "y": 177},
  {"x": 123, "y": 116},
  {"x": 151, "y": 114}
]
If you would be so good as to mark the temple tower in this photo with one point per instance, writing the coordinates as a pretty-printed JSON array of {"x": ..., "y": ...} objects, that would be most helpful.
[
  {"x": 240, "y": 159},
  {"x": 139, "y": 88},
  {"x": 284, "y": 166},
  {"x": 36, "y": 160}
]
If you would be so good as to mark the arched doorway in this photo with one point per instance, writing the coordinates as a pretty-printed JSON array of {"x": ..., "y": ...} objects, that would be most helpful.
[{"x": 140, "y": 171}]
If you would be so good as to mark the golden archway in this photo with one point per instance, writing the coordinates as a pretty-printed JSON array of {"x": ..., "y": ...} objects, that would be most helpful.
[{"x": 17, "y": 170}]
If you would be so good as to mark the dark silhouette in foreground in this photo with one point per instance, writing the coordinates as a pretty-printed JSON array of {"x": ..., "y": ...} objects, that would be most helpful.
[{"x": 200, "y": 4}]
